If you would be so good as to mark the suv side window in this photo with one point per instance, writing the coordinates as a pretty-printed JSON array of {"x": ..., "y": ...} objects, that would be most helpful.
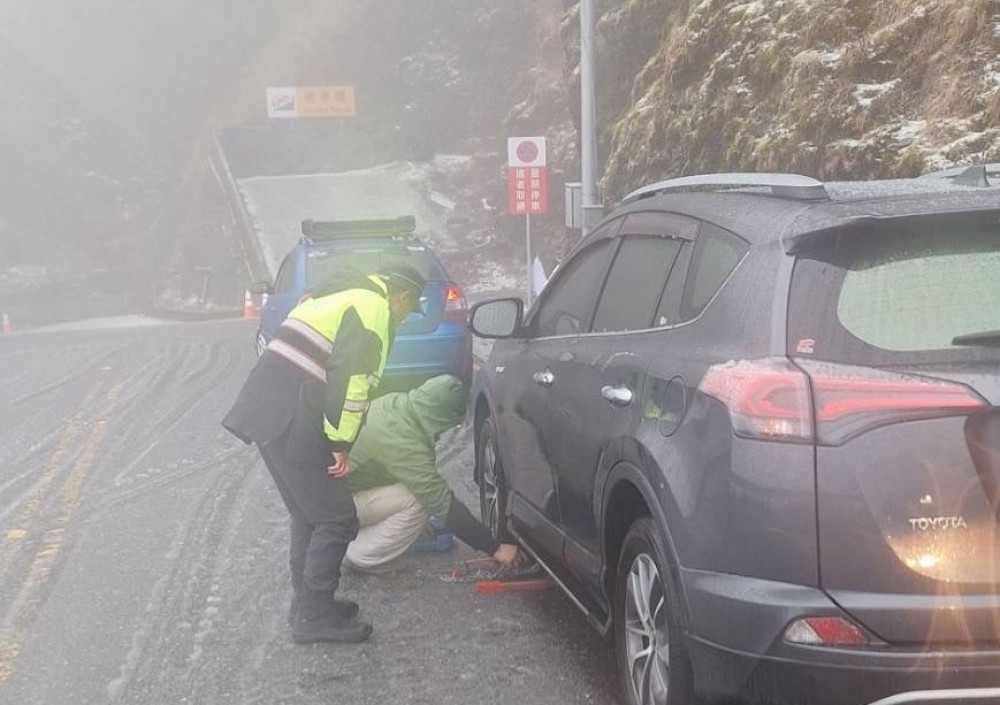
[
  {"x": 635, "y": 283},
  {"x": 283, "y": 282},
  {"x": 568, "y": 302},
  {"x": 716, "y": 254}
]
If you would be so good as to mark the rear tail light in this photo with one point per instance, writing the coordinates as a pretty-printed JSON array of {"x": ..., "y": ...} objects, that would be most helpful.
[
  {"x": 825, "y": 631},
  {"x": 455, "y": 308},
  {"x": 775, "y": 399},
  {"x": 767, "y": 399}
]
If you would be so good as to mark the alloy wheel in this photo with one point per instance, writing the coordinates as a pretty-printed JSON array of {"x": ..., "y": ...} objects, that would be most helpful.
[
  {"x": 489, "y": 487},
  {"x": 647, "y": 640}
]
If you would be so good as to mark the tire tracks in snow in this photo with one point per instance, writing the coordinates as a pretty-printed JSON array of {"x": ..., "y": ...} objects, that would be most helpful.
[{"x": 179, "y": 641}]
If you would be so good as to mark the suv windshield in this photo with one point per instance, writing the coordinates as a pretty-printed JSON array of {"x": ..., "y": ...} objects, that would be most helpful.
[
  {"x": 322, "y": 264},
  {"x": 899, "y": 295}
]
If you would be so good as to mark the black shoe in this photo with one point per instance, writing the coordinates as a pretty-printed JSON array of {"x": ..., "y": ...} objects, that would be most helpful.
[
  {"x": 330, "y": 628},
  {"x": 319, "y": 620},
  {"x": 345, "y": 609}
]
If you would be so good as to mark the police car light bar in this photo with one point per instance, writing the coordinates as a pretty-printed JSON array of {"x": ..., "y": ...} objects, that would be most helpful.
[{"x": 332, "y": 229}]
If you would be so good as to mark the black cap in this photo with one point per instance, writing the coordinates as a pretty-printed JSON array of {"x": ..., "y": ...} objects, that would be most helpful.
[{"x": 403, "y": 277}]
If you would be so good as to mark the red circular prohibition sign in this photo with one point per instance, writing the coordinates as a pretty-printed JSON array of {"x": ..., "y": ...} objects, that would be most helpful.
[{"x": 527, "y": 151}]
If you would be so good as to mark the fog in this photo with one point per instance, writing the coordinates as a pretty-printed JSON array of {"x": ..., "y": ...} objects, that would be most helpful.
[{"x": 119, "y": 120}]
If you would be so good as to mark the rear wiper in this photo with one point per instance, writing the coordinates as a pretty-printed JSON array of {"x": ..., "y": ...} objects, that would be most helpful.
[{"x": 988, "y": 338}]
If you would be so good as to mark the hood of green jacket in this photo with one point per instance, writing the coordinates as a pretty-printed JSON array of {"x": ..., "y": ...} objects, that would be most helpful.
[{"x": 438, "y": 404}]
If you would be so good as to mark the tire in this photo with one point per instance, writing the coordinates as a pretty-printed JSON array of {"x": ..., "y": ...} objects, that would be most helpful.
[
  {"x": 653, "y": 662},
  {"x": 260, "y": 344},
  {"x": 492, "y": 483}
]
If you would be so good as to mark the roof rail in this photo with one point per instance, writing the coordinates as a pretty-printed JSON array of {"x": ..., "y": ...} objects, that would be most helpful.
[
  {"x": 313, "y": 230},
  {"x": 974, "y": 175},
  {"x": 792, "y": 186}
]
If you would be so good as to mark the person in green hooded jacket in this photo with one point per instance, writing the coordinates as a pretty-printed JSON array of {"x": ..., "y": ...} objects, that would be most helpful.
[{"x": 395, "y": 482}]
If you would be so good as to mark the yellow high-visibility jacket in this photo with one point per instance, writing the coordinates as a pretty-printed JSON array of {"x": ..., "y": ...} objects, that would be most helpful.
[
  {"x": 319, "y": 369},
  {"x": 355, "y": 324}
]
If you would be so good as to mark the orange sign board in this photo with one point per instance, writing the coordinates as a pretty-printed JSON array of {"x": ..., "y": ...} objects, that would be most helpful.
[
  {"x": 325, "y": 101},
  {"x": 311, "y": 101}
]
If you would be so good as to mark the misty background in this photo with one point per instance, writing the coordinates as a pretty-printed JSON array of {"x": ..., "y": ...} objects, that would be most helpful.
[
  {"x": 119, "y": 118},
  {"x": 110, "y": 200}
]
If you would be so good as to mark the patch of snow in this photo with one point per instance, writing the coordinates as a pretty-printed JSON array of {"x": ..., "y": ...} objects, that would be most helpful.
[
  {"x": 451, "y": 162},
  {"x": 109, "y": 323},
  {"x": 441, "y": 200},
  {"x": 22, "y": 276},
  {"x": 754, "y": 7},
  {"x": 911, "y": 130},
  {"x": 832, "y": 56},
  {"x": 492, "y": 279},
  {"x": 740, "y": 86},
  {"x": 992, "y": 72},
  {"x": 866, "y": 93}
]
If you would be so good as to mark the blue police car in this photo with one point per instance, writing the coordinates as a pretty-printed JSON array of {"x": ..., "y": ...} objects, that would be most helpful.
[{"x": 432, "y": 341}]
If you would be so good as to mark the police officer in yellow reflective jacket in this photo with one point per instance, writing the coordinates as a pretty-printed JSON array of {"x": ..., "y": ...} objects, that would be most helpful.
[{"x": 303, "y": 405}]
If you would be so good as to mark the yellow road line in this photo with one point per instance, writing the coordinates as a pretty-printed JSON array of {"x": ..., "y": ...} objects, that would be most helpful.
[
  {"x": 69, "y": 437},
  {"x": 24, "y": 609}
]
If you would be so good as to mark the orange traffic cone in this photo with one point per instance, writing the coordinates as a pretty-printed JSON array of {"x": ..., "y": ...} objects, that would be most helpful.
[
  {"x": 249, "y": 312},
  {"x": 7, "y": 327}
]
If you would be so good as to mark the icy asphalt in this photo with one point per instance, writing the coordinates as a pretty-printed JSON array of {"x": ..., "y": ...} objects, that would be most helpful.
[{"x": 142, "y": 552}]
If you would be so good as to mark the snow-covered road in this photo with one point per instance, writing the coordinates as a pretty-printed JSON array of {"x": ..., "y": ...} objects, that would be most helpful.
[{"x": 142, "y": 552}]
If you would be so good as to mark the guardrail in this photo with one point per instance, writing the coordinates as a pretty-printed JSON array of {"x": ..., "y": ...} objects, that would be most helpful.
[{"x": 246, "y": 236}]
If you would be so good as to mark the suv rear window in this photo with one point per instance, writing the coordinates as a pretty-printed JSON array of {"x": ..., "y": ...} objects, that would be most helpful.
[
  {"x": 321, "y": 264},
  {"x": 898, "y": 294}
]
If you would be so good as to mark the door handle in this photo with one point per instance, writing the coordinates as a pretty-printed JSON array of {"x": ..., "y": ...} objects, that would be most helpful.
[
  {"x": 545, "y": 379},
  {"x": 619, "y": 396}
]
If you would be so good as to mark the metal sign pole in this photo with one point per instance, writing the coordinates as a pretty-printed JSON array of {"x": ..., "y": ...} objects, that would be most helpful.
[
  {"x": 588, "y": 114},
  {"x": 527, "y": 230}
]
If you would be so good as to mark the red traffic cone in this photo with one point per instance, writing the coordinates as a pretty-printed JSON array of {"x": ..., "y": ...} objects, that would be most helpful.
[
  {"x": 7, "y": 327},
  {"x": 249, "y": 312}
]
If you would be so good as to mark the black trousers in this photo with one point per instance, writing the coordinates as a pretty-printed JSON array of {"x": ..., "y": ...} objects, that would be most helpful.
[{"x": 323, "y": 518}]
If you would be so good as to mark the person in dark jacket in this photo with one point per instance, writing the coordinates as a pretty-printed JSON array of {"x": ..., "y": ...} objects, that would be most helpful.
[
  {"x": 396, "y": 483},
  {"x": 303, "y": 405}
]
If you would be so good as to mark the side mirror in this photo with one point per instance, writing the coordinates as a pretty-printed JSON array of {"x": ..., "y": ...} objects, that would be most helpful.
[
  {"x": 497, "y": 318},
  {"x": 261, "y": 288}
]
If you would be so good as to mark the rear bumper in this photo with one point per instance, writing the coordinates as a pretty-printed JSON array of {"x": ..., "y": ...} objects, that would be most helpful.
[
  {"x": 966, "y": 695},
  {"x": 414, "y": 359},
  {"x": 836, "y": 677},
  {"x": 738, "y": 651}
]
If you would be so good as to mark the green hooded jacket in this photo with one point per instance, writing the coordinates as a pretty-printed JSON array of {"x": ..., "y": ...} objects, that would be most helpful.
[{"x": 396, "y": 444}]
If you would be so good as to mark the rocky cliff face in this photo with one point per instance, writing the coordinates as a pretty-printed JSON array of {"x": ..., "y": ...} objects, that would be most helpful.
[{"x": 828, "y": 88}]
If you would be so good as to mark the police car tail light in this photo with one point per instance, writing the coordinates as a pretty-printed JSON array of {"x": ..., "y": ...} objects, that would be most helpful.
[
  {"x": 455, "y": 308},
  {"x": 775, "y": 399},
  {"x": 825, "y": 631}
]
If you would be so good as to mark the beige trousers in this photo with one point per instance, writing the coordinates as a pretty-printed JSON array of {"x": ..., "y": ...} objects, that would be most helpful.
[{"x": 391, "y": 519}]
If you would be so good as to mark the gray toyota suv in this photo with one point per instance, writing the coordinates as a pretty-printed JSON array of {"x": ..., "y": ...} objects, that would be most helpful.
[{"x": 751, "y": 427}]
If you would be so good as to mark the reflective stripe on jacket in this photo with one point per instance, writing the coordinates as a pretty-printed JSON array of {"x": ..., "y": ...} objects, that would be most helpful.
[
  {"x": 342, "y": 340},
  {"x": 313, "y": 380}
]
